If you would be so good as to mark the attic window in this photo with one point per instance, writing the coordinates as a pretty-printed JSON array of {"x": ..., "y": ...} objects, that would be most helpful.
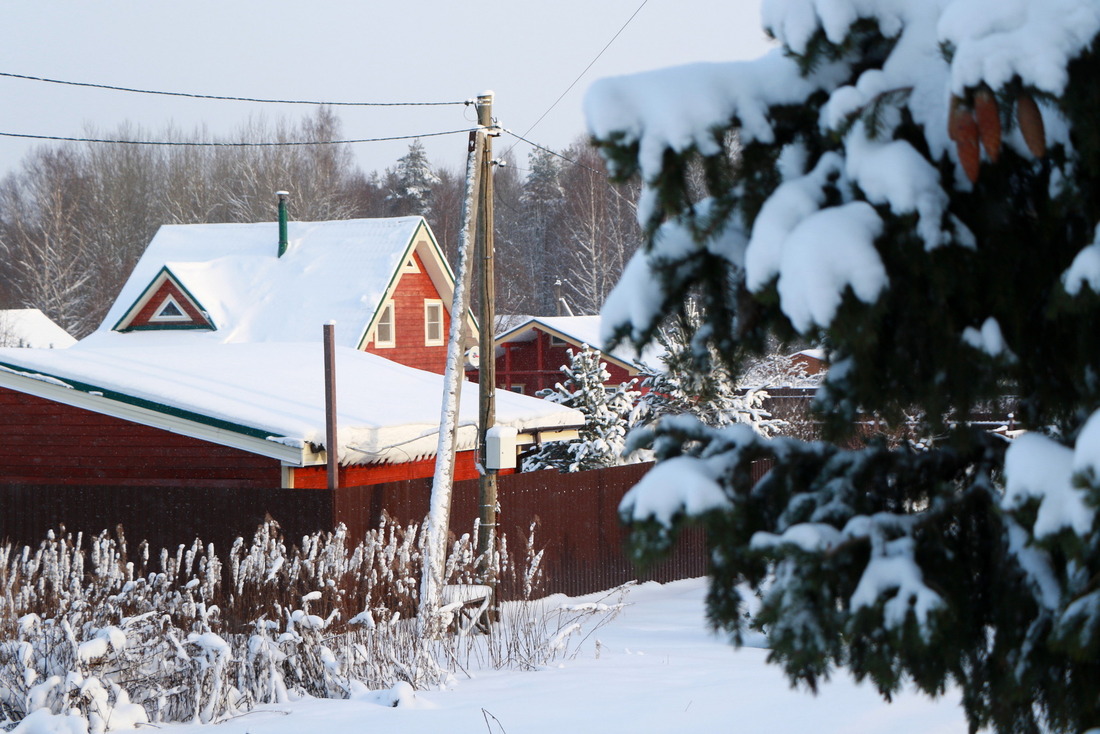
[
  {"x": 169, "y": 311},
  {"x": 433, "y": 323},
  {"x": 410, "y": 266},
  {"x": 384, "y": 329}
]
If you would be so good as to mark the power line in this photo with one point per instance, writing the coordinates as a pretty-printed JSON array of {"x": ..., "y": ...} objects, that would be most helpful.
[
  {"x": 567, "y": 159},
  {"x": 601, "y": 174},
  {"x": 215, "y": 144},
  {"x": 229, "y": 98},
  {"x": 581, "y": 75}
]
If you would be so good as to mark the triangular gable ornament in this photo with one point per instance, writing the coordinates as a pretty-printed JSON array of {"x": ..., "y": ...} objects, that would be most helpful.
[{"x": 165, "y": 304}]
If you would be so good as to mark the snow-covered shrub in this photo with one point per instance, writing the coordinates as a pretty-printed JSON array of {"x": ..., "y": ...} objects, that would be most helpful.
[{"x": 107, "y": 641}]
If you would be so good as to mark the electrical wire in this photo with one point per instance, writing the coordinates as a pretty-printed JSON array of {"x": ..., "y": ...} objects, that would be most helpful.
[
  {"x": 567, "y": 159},
  {"x": 601, "y": 174},
  {"x": 214, "y": 144},
  {"x": 581, "y": 75},
  {"x": 230, "y": 98}
]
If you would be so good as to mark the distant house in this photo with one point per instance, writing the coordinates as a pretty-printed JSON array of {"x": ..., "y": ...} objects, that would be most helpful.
[
  {"x": 30, "y": 328},
  {"x": 530, "y": 355},
  {"x": 384, "y": 282},
  {"x": 208, "y": 369},
  {"x": 809, "y": 362}
]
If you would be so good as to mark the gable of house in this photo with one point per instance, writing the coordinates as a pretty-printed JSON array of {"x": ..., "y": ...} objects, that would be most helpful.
[
  {"x": 165, "y": 305},
  {"x": 227, "y": 283},
  {"x": 530, "y": 355}
]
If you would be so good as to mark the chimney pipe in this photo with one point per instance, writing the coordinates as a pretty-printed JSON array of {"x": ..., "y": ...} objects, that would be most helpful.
[{"x": 283, "y": 240}]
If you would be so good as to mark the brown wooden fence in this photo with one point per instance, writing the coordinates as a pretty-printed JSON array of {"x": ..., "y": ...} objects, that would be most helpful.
[{"x": 576, "y": 515}]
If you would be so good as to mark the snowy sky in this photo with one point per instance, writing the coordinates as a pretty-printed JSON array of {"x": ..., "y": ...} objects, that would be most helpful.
[{"x": 527, "y": 52}]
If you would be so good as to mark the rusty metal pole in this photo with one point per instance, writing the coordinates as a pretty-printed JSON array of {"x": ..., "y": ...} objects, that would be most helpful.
[{"x": 331, "y": 449}]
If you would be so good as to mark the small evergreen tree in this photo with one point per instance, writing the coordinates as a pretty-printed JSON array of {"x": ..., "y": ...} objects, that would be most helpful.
[
  {"x": 710, "y": 394},
  {"x": 916, "y": 186},
  {"x": 608, "y": 413}
]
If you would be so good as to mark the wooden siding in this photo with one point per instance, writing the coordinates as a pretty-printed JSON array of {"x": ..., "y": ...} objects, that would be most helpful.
[
  {"x": 408, "y": 306},
  {"x": 536, "y": 365},
  {"x": 47, "y": 442}
]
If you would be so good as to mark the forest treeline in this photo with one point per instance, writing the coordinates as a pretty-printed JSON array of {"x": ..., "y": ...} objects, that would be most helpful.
[{"x": 75, "y": 217}]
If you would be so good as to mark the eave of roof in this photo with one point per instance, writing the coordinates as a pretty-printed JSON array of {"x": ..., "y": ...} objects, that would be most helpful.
[{"x": 157, "y": 415}]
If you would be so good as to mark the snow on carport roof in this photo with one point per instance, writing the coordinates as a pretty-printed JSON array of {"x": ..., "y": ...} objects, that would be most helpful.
[{"x": 385, "y": 411}]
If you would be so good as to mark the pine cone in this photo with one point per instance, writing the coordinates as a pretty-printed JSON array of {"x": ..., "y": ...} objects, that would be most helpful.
[
  {"x": 1031, "y": 125},
  {"x": 989, "y": 122},
  {"x": 964, "y": 130},
  {"x": 954, "y": 117}
]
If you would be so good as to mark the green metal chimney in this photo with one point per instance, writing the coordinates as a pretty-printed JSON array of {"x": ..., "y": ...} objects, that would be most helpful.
[{"x": 283, "y": 241}]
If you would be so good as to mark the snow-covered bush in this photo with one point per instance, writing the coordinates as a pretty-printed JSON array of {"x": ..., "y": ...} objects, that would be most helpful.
[{"x": 107, "y": 642}]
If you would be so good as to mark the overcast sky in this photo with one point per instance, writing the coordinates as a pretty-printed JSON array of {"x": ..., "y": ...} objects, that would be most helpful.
[{"x": 527, "y": 52}]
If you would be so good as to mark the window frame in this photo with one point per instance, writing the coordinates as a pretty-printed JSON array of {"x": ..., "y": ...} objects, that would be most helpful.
[
  {"x": 429, "y": 305},
  {"x": 386, "y": 318},
  {"x": 158, "y": 316}
]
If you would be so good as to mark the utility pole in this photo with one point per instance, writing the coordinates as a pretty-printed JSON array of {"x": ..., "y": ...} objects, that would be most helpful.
[
  {"x": 329, "y": 335},
  {"x": 487, "y": 378}
]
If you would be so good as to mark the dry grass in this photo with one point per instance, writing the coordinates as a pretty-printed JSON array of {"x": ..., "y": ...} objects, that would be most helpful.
[{"x": 185, "y": 635}]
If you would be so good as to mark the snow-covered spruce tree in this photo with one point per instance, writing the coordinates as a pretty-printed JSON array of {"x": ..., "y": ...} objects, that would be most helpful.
[
  {"x": 410, "y": 183},
  {"x": 608, "y": 415},
  {"x": 694, "y": 380},
  {"x": 917, "y": 186}
]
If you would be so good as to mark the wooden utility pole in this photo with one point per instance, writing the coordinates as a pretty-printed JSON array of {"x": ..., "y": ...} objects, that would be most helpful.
[
  {"x": 487, "y": 377},
  {"x": 331, "y": 449}
]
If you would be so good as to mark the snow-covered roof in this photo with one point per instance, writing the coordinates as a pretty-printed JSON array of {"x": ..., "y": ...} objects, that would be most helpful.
[
  {"x": 29, "y": 327},
  {"x": 267, "y": 398},
  {"x": 332, "y": 271},
  {"x": 580, "y": 330}
]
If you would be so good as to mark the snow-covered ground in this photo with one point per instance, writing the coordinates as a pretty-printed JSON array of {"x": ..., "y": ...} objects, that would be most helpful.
[{"x": 658, "y": 669}]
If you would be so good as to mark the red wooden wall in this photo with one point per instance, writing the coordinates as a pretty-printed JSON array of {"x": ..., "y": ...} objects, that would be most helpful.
[
  {"x": 536, "y": 365},
  {"x": 51, "y": 443},
  {"x": 408, "y": 304},
  {"x": 47, "y": 442}
]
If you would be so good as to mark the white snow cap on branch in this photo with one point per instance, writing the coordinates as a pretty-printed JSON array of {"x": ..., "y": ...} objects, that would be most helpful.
[
  {"x": 826, "y": 253},
  {"x": 681, "y": 107},
  {"x": 682, "y": 485},
  {"x": 1037, "y": 467}
]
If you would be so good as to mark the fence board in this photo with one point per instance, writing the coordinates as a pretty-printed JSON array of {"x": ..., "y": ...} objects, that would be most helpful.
[{"x": 575, "y": 517}]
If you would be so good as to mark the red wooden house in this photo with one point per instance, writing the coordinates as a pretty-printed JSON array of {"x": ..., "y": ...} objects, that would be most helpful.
[
  {"x": 384, "y": 282},
  {"x": 208, "y": 369},
  {"x": 530, "y": 355}
]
